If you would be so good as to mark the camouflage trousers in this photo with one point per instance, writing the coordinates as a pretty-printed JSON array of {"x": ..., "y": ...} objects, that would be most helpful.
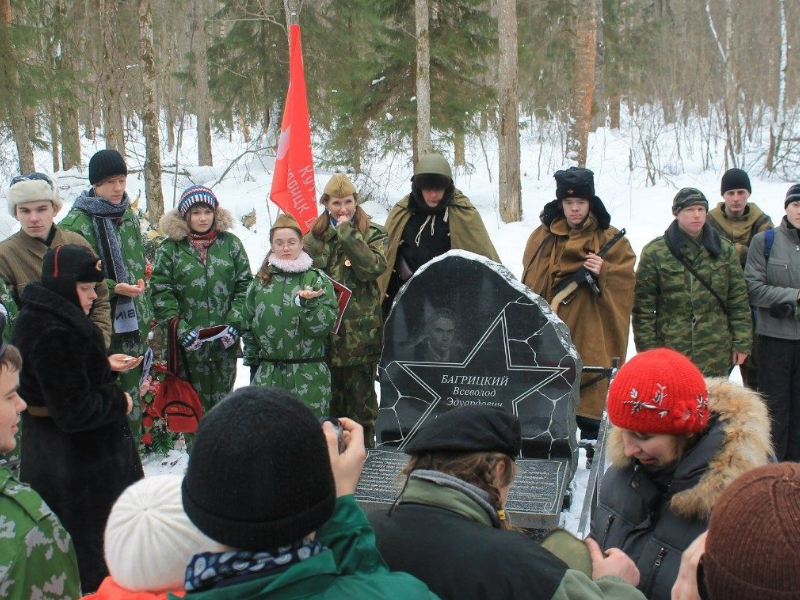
[
  {"x": 354, "y": 396},
  {"x": 212, "y": 380},
  {"x": 129, "y": 343}
]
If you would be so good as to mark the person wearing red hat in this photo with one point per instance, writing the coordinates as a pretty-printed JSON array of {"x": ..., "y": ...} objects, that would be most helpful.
[{"x": 678, "y": 441}]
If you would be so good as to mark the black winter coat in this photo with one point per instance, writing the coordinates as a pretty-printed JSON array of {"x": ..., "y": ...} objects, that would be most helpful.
[
  {"x": 460, "y": 558},
  {"x": 82, "y": 456},
  {"x": 654, "y": 524}
]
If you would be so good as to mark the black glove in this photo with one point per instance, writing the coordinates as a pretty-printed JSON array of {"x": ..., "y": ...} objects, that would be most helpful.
[{"x": 783, "y": 310}]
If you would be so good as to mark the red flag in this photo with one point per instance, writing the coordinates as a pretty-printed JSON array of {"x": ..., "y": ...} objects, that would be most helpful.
[{"x": 293, "y": 187}]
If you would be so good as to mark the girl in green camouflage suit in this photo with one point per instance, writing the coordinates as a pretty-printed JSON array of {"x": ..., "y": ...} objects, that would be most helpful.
[
  {"x": 201, "y": 276},
  {"x": 288, "y": 313}
]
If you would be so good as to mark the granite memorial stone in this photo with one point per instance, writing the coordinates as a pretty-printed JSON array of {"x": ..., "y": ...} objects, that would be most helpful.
[{"x": 464, "y": 331}]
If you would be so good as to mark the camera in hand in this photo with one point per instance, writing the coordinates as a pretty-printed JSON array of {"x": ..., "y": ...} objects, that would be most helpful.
[{"x": 339, "y": 432}]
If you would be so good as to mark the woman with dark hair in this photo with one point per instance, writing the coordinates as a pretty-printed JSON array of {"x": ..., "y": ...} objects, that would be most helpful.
[
  {"x": 677, "y": 442},
  {"x": 288, "y": 312},
  {"x": 449, "y": 528},
  {"x": 79, "y": 451},
  {"x": 349, "y": 247}
]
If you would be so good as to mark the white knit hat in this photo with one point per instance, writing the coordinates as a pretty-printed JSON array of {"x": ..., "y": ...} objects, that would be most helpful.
[
  {"x": 149, "y": 539},
  {"x": 31, "y": 187}
]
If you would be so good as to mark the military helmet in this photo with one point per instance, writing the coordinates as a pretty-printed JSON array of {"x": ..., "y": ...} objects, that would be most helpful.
[{"x": 433, "y": 164}]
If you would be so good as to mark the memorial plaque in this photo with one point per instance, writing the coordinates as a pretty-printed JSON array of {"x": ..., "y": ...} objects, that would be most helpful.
[
  {"x": 464, "y": 331},
  {"x": 534, "y": 500}
]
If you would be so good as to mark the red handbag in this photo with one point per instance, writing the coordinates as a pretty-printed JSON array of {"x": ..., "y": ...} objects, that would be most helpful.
[{"x": 176, "y": 401}]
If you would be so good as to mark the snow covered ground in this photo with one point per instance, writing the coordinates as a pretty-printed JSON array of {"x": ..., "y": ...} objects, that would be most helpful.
[{"x": 242, "y": 183}]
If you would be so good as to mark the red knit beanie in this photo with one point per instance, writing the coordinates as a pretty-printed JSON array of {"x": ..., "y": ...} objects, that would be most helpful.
[
  {"x": 659, "y": 391},
  {"x": 752, "y": 548}
]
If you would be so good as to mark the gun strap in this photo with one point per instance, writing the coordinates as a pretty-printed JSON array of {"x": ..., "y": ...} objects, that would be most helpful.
[{"x": 679, "y": 255}]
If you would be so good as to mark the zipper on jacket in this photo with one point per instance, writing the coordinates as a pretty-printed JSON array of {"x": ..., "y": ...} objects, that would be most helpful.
[
  {"x": 608, "y": 527},
  {"x": 654, "y": 571}
]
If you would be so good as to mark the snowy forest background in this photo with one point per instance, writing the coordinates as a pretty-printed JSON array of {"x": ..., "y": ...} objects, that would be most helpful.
[{"x": 652, "y": 95}]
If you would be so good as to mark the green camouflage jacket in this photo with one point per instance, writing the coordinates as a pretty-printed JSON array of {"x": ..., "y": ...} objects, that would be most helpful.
[
  {"x": 7, "y": 300},
  {"x": 672, "y": 308},
  {"x": 201, "y": 294},
  {"x": 356, "y": 261},
  {"x": 280, "y": 326},
  {"x": 37, "y": 559},
  {"x": 132, "y": 252}
]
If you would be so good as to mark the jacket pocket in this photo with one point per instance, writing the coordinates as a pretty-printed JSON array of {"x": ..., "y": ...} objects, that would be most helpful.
[
  {"x": 658, "y": 565},
  {"x": 778, "y": 273}
]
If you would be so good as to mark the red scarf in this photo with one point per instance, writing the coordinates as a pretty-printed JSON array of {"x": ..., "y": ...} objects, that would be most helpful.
[{"x": 201, "y": 241}]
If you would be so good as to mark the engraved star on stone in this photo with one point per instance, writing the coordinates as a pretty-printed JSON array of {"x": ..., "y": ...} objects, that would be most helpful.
[{"x": 479, "y": 374}]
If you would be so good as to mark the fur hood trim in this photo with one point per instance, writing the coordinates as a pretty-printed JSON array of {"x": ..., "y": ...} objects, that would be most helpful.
[
  {"x": 745, "y": 425},
  {"x": 176, "y": 228}
]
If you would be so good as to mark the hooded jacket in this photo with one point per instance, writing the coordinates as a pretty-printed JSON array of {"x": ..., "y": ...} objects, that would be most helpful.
[
  {"x": 466, "y": 231},
  {"x": 445, "y": 532},
  {"x": 739, "y": 230},
  {"x": 200, "y": 294},
  {"x": 80, "y": 456},
  {"x": 655, "y": 521}
]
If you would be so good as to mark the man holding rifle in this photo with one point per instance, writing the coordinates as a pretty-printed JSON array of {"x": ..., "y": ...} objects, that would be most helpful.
[{"x": 583, "y": 268}]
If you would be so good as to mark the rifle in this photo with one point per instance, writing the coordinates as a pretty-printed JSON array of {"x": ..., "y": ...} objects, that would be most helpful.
[{"x": 583, "y": 275}]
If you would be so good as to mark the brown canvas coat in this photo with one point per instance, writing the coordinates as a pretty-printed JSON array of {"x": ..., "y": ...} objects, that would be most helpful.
[
  {"x": 21, "y": 258},
  {"x": 467, "y": 232},
  {"x": 598, "y": 325}
]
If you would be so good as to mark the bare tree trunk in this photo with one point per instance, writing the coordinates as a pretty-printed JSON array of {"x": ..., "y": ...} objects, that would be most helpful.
[
  {"x": 508, "y": 135},
  {"x": 779, "y": 119},
  {"x": 600, "y": 101},
  {"x": 581, "y": 109},
  {"x": 201, "y": 103},
  {"x": 54, "y": 137},
  {"x": 113, "y": 127},
  {"x": 67, "y": 113},
  {"x": 422, "y": 17},
  {"x": 613, "y": 110},
  {"x": 152, "y": 161},
  {"x": 10, "y": 77},
  {"x": 460, "y": 158}
]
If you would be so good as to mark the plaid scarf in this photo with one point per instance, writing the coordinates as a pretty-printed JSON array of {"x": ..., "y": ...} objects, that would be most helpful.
[{"x": 201, "y": 242}]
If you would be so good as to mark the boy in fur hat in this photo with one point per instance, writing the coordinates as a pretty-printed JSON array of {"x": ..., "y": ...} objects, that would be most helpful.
[{"x": 575, "y": 226}]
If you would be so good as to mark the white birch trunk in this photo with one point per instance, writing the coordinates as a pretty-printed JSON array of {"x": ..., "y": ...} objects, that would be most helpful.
[{"x": 422, "y": 18}]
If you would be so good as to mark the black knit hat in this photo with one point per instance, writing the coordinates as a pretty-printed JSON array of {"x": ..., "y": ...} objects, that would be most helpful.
[
  {"x": 688, "y": 197},
  {"x": 259, "y": 475},
  {"x": 65, "y": 266},
  {"x": 792, "y": 195},
  {"x": 105, "y": 164},
  {"x": 469, "y": 429},
  {"x": 735, "y": 179}
]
